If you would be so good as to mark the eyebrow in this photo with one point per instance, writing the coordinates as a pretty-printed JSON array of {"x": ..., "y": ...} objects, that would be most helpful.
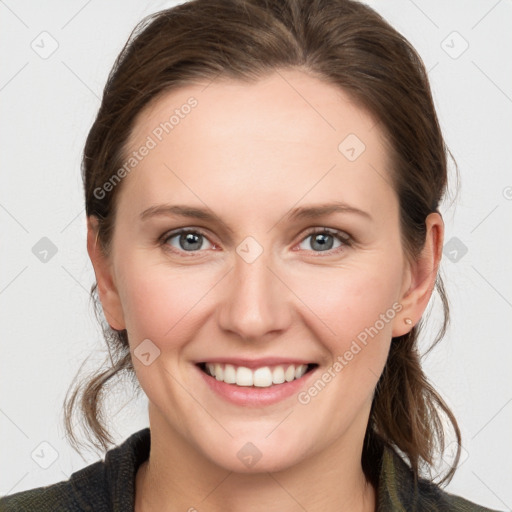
[{"x": 299, "y": 213}]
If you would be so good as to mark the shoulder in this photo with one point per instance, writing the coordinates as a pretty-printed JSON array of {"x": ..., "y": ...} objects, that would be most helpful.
[
  {"x": 433, "y": 495},
  {"x": 397, "y": 490},
  {"x": 61, "y": 496},
  {"x": 102, "y": 486},
  {"x": 434, "y": 498}
]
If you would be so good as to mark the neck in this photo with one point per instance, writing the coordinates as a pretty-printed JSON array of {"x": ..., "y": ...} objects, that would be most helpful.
[{"x": 331, "y": 481}]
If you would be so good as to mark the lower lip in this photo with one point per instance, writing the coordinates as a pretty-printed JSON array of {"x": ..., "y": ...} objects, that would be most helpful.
[{"x": 255, "y": 396}]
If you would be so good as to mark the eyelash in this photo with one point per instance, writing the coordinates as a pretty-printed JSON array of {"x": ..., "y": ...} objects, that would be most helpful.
[{"x": 341, "y": 236}]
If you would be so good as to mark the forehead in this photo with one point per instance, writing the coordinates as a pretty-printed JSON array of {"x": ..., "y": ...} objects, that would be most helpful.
[{"x": 283, "y": 137}]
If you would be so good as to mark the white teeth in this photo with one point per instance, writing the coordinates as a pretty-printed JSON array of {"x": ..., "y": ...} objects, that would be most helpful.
[
  {"x": 244, "y": 376},
  {"x": 289, "y": 374},
  {"x": 261, "y": 377},
  {"x": 300, "y": 371},
  {"x": 229, "y": 374},
  {"x": 219, "y": 372},
  {"x": 278, "y": 375}
]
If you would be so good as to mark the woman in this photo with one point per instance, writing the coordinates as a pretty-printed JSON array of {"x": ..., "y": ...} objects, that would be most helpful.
[{"x": 262, "y": 186}]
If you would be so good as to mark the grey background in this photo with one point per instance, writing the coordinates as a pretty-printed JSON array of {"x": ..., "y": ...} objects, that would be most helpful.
[{"x": 48, "y": 102}]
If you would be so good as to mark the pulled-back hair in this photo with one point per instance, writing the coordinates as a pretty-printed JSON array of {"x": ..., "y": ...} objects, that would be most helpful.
[{"x": 344, "y": 43}]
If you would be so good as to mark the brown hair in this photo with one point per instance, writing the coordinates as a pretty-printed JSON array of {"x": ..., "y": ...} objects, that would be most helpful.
[{"x": 345, "y": 43}]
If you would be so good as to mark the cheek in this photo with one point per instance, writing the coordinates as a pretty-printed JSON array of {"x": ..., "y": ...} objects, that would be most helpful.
[
  {"x": 351, "y": 299},
  {"x": 353, "y": 318},
  {"x": 158, "y": 302}
]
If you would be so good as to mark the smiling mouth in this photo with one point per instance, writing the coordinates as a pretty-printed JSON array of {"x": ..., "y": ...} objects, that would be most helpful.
[{"x": 263, "y": 377}]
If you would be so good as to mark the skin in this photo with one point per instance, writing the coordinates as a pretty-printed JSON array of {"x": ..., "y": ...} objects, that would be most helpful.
[{"x": 244, "y": 154}]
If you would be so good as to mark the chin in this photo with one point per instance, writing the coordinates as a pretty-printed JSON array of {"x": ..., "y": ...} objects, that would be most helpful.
[
  {"x": 266, "y": 464},
  {"x": 258, "y": 456}
]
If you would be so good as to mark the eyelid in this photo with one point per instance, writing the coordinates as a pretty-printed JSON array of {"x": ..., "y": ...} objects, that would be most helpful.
[{"x": 332, "y": 231}]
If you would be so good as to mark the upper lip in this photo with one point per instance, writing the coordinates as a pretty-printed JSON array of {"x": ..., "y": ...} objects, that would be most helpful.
[{"x": 256, "y": 363}]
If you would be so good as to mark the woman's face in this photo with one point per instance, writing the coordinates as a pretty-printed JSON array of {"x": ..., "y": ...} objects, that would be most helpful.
[{"x": 262, "y": 282}]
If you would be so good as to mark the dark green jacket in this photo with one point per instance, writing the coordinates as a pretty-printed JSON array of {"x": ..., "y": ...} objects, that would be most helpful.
[{"x": 109, "y": 486}]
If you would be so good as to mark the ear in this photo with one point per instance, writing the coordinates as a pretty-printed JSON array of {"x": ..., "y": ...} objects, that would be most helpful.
[
  {"x": 420, "y": 276},
  {"x": 107, "y": 290}
]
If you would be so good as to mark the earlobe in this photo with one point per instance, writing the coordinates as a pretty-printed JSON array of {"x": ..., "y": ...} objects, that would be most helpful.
[
  {"x": 107, "y": 290},
  {"x": 422, "y": 276}
]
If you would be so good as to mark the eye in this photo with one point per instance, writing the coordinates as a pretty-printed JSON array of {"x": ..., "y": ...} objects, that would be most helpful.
[
  {"x": 185, "y": 240},
  {"x": 323, "y": 240},
  {"x": 190, "y": 240}
]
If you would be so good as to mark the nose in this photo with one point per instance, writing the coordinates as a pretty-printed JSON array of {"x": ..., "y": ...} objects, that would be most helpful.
[{"x": 256, "y": 302}]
